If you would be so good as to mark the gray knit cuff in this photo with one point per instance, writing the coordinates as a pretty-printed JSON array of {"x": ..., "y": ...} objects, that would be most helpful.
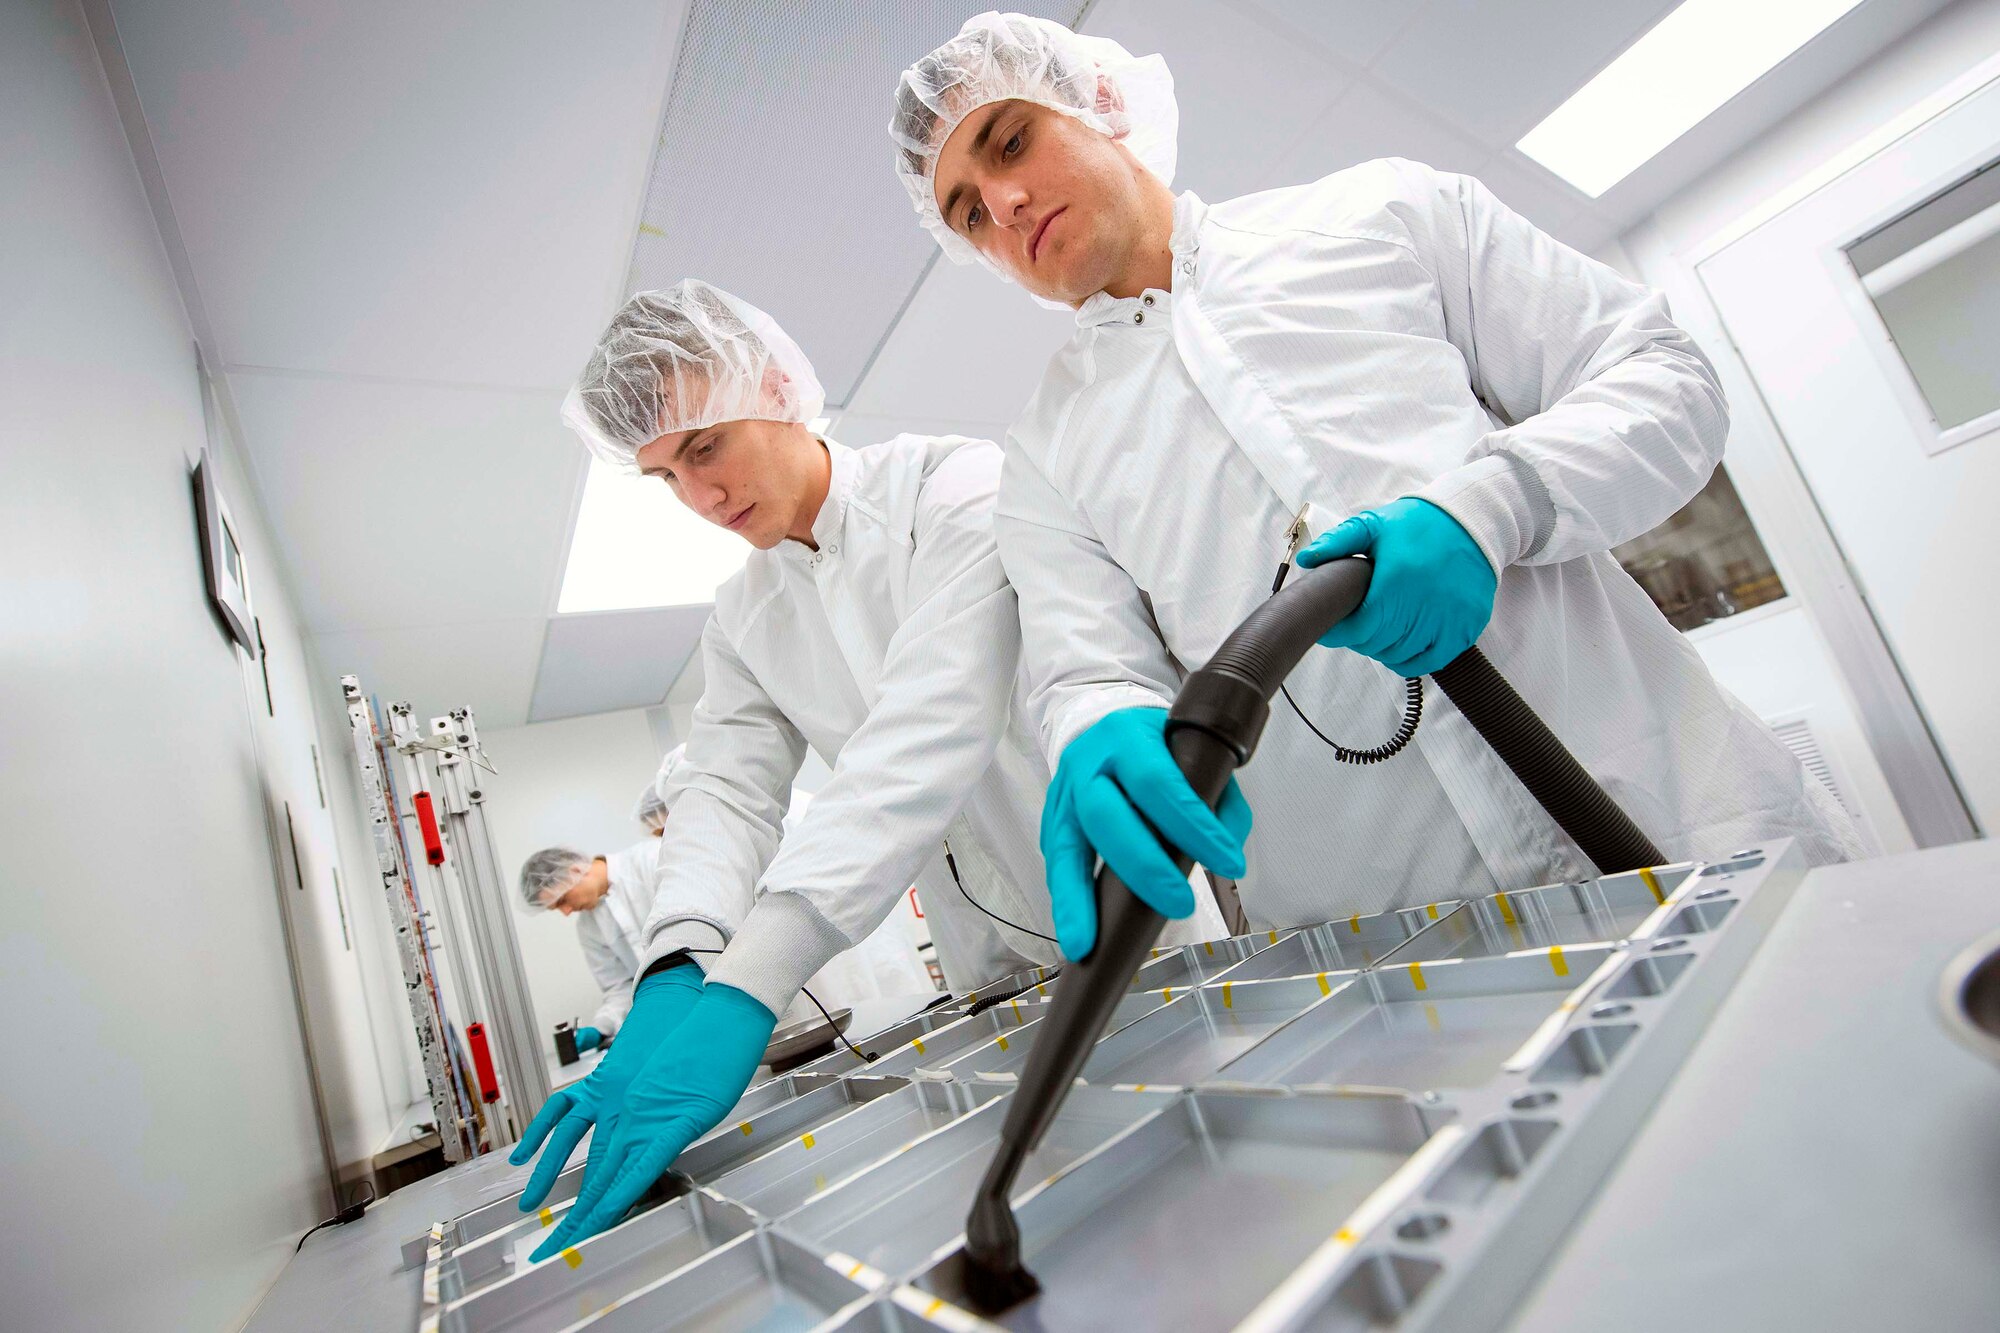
[
  {"x": 1500, "y": 501},
  {"x": 781, "y": 943}
]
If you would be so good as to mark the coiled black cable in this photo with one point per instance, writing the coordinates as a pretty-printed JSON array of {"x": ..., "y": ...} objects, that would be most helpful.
[{"x": 1413, "y": 712}]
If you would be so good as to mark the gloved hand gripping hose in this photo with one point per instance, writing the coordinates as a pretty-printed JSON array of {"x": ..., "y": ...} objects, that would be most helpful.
[{"x": 1212, "y": 730}]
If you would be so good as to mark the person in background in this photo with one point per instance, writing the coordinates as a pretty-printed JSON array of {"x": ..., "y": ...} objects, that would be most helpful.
[
  {"x": 873, "y": 623},
  {"x": 1386, "y": 362},
  {"x": 609, "y": 896}
]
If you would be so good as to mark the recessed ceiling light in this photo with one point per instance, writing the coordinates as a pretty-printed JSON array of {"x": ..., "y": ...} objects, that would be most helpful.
[
  {"x": 1694, "y": 60},
  {"x": 636, "y": 545}
]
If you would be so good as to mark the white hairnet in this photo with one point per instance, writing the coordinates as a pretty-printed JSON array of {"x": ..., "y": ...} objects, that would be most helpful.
[
  {"x": 1013, "y": 57},
  {"x": 546, "y": 874},
  {"x": 685, "y": 358}
]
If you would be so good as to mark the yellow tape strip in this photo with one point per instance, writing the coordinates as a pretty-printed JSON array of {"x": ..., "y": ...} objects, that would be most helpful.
[
  {"x": 1354, "y": 923},
  {"x": 1556, "y": 962},
  {"x": 1226, "y": 1002},
  {"x": 1431, "y": 1016},
  {"x": 548, "y": 1216},
  {"x": 918, "y": 1042},
  {"x": 1274, "y": 937},
  {"x": 1209, "y": 946},
  {"x": 1166, "y": 994},
  {"x": 807, "y": 1140},
  {"x": 1647, "y": 878},
  {"x": 1324, "y": 989},
  {"x": 937, "y": 1303},
  {"x": 858, "y": 1266},
  {"x": 1344, "y": 1236},
  {"x": 1002, "y": 1041},
  {"x": 1506, "y": 908},
  {"x": 1432, "y": 908},
  {"x": 572, "y": 1258},
  {"x": 1041, "y": 990},
  {"x": 745, "y": 1127},
  {"x": 1417, "y": 977},
  {"x": 1017, "y": 1009}
]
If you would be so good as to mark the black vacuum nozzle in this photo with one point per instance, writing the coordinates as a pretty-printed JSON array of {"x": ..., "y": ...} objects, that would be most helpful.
[{"x": 1212, "y": 730}]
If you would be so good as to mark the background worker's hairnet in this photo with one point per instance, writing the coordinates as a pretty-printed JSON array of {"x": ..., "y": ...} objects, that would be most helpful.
[
  {"x": 651, "y": 811},
  {"x": 1013, "y": 57},
  {"x": 684, "y": 358},
  {"x": 548, "y": 872}
]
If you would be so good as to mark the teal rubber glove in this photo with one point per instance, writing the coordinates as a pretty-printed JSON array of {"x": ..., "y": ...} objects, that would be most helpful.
[
  {"x": 1111, "y": 780},
  {"x": 689, "y": 1084},
  {"x": 1431, "y": 593},
  {"x": 659, "y": 1005},
  {"x": 587, "y": 1039}
]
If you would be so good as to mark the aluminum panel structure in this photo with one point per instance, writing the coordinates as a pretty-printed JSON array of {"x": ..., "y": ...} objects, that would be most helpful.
[{"x": 1381, "y": 1122}]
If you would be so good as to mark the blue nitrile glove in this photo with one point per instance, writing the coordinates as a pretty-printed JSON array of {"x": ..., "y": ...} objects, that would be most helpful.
[
  {"x": 688, "y": 1085},
  {"x": 658, "y": 1006},
  {"x": 587, "y": 1039},
  {"x": 1115, "y": 772},
  {"x": 1431, "y": 592}
]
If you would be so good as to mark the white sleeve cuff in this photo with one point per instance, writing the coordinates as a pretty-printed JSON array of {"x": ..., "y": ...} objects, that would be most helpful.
[
  {"x": 782, "y": 942},
  {"x": 692, "y": 933},
  {"x": 1085, "y": 711},
  {"x": 1501, "y": 501}
]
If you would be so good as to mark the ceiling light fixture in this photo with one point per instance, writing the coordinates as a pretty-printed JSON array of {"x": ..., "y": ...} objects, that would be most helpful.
[
  {"x": 1695, "y": 59},
  {"x": 636, "y": 545}
]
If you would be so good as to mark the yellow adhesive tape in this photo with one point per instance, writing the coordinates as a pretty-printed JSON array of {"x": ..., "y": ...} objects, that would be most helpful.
[
  {"x": 1417, "y": 977},
  {"x": 918, "y": 1042},
  {"x": 1041, "y": 990},
  {"x": 572, "y": 1258},
  {"x": 1274, "y": 937},
  {"x": 819, "y": 1183},
  {"x": 1002, "y": 1042},
  {"x": 548, "y": 1216},
  {"x": 1017, "y": 1009},
  {"x": 1324, "y": 989},
  {"x": 1210, "y": 946},
  {"x": 1344, "y": 1236},
  {"x": 937, "y": 1303},
  {"x": 1431, "y": 1016},
  {"x": 858, "y": 1266},
  {"x": 1652, "y": 882},
  {"x": 1166, "y": 994},
  {"x": 1227, "y": 1003},
  {"x": 1432, "y": 908},
  {"x": 1354, "y": 923},
  {"x": 808, "y": 1140},
  {"x": 1506, "y": 908},
  {"x": 745, "y": 1127},
  {"x": 1138, "y": 1087},
  {"x": 1557, "y": 963}
]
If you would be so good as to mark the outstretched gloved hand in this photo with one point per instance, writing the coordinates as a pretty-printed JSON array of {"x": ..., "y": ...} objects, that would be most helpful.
[
  {"x": 1431, "y": 591},
  {"x": 587, "y": 1039},
  {"x": 658, "y": 1006},
  {"x": 688, "y": 1085},
  {"x": 1110, "y": 781}
]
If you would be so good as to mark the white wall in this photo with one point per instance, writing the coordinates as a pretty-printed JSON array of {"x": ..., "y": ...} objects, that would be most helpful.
[
  {"x": 160, "y": 1147},
  {"x": 572, "y": 783}
]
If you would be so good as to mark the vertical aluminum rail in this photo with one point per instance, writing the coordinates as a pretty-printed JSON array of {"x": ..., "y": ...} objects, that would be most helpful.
[
  {"x": 524, "y": 1072},
  {"x": 454, "y": 1119}
]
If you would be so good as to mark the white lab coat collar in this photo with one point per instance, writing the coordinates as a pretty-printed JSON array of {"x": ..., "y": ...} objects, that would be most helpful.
[
  {"x": 1104, "y": 308},
  {"x": 831, "y": 520}
]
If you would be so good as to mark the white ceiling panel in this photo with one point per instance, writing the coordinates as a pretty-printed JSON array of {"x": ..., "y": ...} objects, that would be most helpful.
[
  {"x": 606, "y": 660},
  {"x": 1243, "y": 97},
  {"x": 432, "y": 191},
  {"x": 1533, "y": 191},
  {"x": 971, "y": 345},
  {"x": 1356, "y": 31},
  {"x": 1496, "y": 68},
  {"x": 405, "y": 504},
  {"x": 1370, "y": 122},
  {"x": 775, "y": 176},
  {"x": 487, "y": 666}
]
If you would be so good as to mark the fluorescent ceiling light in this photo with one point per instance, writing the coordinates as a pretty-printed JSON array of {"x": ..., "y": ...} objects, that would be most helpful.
[
  {"x": 636, "y": 545},
  {"x": 1694, "y": 60}
]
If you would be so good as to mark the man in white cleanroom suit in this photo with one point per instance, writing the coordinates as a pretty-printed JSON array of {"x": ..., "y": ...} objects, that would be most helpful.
[{"x": 1488, "y": 411}]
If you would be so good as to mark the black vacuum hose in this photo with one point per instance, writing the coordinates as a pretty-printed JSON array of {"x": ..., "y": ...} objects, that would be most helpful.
[{"x": 1212, "y": 729}]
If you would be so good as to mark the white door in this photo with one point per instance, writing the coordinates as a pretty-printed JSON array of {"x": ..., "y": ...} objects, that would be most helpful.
[{"x": 1869, "y": 314}]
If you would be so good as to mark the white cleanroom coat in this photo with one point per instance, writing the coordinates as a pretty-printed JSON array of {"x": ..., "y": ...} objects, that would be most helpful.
[
  {"x": 893, "y": 651},
  {"x": 611, "y": 932},
  {"x": 1387, "y": 331}
]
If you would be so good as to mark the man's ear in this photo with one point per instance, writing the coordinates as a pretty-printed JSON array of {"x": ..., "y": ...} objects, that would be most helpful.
[{"x": 1110, "y": 97}]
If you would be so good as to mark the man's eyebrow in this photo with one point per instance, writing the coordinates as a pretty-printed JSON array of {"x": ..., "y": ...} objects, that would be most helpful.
[
  {"x": 692, "y": 436},
  {"x": 978, "y": 145}
]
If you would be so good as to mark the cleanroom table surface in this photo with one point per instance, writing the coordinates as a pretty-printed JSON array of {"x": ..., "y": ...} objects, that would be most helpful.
[
  {"x": 354, "y": 1277},
  {"x": 1827, "y": 1158}
]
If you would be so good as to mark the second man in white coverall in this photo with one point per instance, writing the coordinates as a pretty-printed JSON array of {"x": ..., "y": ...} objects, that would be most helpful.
[
  {"x": 874, "y": 623},
  {"x": 1490, "y": 411}
]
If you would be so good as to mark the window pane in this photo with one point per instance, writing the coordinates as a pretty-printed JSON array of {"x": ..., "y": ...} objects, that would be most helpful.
[{"x": 1704, "y": 563}]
